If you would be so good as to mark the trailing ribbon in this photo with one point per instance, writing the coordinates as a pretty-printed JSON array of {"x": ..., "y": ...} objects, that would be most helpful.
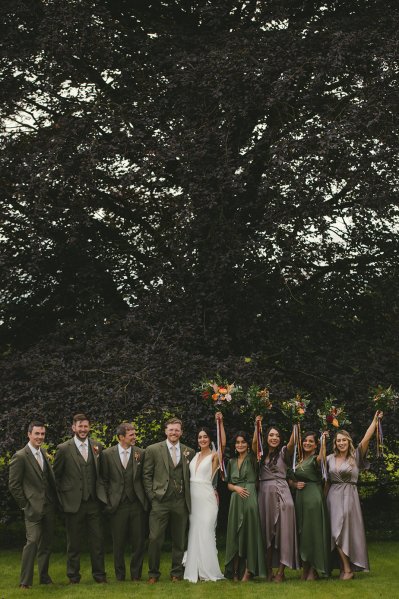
[
  {"x": 380, "y": 438},
  {"x": 259, "y": 445},
  {"x": 298, "y": 452},
  {"x": 323, "y": 463},
  {"x": 222, "y": 467}
]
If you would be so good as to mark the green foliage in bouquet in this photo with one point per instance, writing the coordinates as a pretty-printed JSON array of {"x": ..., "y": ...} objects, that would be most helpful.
[
  {"x": 332, "y": 415},
  {"x": 258, "y": 400}
]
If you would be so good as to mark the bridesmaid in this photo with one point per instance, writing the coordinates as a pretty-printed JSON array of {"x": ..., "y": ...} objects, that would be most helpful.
[
  {"x": 311, "y": 512},
  {"x": 276, "y": 506},
  {"x": 244, "y": 546},
  {"x": 347, "y": 529}
]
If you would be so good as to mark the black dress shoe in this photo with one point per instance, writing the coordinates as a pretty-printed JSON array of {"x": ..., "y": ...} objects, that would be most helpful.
[
  {"x": 102, "y": 581},
  {"x": 24, "y": 586},
  {"x": 74, "y": 581},
  {"x": 48, "y": 581}
]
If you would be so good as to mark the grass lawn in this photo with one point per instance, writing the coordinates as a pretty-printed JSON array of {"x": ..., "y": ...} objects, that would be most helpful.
[{"x": 383, "y": 581}]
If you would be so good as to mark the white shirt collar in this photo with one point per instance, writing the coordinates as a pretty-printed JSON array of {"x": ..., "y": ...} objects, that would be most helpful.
[
  {"x": 78, "y": 442},
  {"x": 122, "y": 451},
  {"x": 34, "y": 450},
  {"x": 170, "y": 445}
]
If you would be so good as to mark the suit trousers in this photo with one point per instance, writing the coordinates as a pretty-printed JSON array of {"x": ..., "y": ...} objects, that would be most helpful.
[
  {"x": 89, "y": 515},
  {"x": 173, "y": 511},
  {"x": 39, "y": 537},
  {"x": 128, "y": 525}
]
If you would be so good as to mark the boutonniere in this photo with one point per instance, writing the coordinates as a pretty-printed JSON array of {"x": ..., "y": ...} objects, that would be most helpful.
[
  {"x": 96, "y": 450},
  {"x": 49, "y": 457},
  {"x": 186, "y": 454},
  {"x": 137, "y": 457}
]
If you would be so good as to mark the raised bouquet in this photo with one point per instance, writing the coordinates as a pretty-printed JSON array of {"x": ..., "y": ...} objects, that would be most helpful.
[
  {"x": 218, "y": 394},
  {"x": 384, "y": 399},
  {"x": 332, "y": 415},
  {"x": 295, "y": 408},
  {"x": 258, "y": 400}
]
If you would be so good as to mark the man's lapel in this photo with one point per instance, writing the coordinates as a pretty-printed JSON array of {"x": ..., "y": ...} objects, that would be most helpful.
[
  {"x": 165, "y": 454},
  {"x": 184, "y": 459},
  {"x": 74, "y": 452},
  {"x": 117, "y": 459},
  {"x": 33, "y": 461},
  {"x": 47, "y": 462}
]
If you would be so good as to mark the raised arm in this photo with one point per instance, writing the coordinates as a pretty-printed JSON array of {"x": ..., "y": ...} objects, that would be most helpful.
[
  {"x": 364, "y": 443},
  {"x": 254, "y": 438},
  {"x": 320, "y": 455},
  {"x": 219, "y": 418},
  {"x": 291, "y": 443}
]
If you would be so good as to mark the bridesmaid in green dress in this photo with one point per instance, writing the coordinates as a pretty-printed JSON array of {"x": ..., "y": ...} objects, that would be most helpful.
[
  {"x": 244, "y": 544},
  {"x": 312, "y": 518}
]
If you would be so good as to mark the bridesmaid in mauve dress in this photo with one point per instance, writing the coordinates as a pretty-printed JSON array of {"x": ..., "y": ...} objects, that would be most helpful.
[
  {"x": 276, "y": 506},
  {"x": 347, "y": 529},
  {"x": 313, "y": 522}
]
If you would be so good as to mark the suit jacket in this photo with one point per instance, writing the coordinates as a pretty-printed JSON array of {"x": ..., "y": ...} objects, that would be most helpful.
[
  {"x": 156, "y": 470},
  {"x": 68, "y": 474},
  {"x": 27, "y": 484},
  {"x": 112, "y": 475}
]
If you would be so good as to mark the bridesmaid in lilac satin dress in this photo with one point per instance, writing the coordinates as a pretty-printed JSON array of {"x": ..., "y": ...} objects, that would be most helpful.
[
  {"x": 276, "y": 506},
  {"x": 347, "y": 529}
]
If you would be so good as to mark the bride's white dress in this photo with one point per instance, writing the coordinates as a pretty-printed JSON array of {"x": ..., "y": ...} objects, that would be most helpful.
[{"x": 202, "y": 559}]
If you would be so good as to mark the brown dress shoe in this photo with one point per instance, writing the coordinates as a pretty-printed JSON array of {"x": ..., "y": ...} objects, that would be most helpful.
[
  {"x": 176, "y": 578},
  {"x": 152, "y": 580},
  {"x": 24, "y": 586}
]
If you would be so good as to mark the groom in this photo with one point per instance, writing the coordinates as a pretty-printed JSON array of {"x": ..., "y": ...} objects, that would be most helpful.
[{"x": 166, "y": 479}]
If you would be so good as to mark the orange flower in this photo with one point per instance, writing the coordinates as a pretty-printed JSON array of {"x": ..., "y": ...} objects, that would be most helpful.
[
  {"x": 215, "y": 396},
  {"x": 301, "y": 411},
  {"x": 335, "y": 422},
  {"x": 222, "y": 390}
]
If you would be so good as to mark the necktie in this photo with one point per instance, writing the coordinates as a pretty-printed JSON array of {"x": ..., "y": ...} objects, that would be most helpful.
[
  {"x": 39, "y": 460},
  {"x": 83, "y": 451},
  {"x": 174, "y": 457},
  {"x": 125, "y": 458}
]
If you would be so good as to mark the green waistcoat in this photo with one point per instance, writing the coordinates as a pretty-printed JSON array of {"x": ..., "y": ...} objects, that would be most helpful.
[
  {"x": 128, "y": 488},
  {"x": 176, "y": 481},
  {"x": 88, "y": 476}
]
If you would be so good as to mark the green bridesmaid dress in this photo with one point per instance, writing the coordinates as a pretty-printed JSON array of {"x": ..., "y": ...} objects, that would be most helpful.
[
  {"x": 244, "y": 537},
  {"x": 312, "y": 518}
]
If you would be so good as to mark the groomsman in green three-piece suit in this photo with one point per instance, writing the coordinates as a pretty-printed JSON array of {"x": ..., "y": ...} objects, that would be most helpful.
[
  {"x": 166, "y": 479},
  {"x": 121, "y": 468},
  {"x": 77, "y": 473},
  {"x": 32, "y": 484}
]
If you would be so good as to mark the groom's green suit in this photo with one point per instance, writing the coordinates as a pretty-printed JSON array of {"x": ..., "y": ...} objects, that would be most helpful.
[{"x": 168, "y": 488}]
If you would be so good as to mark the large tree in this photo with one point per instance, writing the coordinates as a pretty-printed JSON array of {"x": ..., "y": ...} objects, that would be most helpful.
[{"x": 215, "y": 179}]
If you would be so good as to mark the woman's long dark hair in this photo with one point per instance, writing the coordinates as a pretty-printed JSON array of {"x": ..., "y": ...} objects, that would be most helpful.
[{"x": 274, "y": 453}]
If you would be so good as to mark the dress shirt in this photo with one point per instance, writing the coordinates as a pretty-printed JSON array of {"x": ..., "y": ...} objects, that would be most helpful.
[
  {"x": 78, "y": 444},
  {"x": 122, "y": 453},
  {"x": 35, "y": 451},
  {"x": 177, "y": 446}
]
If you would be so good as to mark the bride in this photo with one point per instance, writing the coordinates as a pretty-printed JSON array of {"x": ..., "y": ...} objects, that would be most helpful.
[{"x": 201, "y": 559}]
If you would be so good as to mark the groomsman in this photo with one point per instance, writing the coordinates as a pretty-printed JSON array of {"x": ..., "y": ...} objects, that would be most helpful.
[
  {"x": 76, "y": 470},
  {"x": 121, "y": 468},
  {"x": 166, "y": 478},
  {"x": 32, "y": 484}
]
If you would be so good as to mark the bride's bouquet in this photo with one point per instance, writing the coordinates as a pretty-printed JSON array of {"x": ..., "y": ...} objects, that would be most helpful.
[{"x": 218, "y": 393}]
